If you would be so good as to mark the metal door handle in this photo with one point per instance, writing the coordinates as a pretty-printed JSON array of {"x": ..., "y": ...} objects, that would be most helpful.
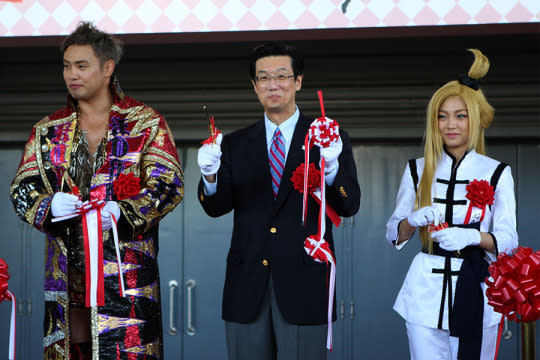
[
  {"x": 190, "y": 329},
  {"x": 507, "y": 333},
  {"x": 173, "y": 284},
  {"x": 342, "y": 309}
]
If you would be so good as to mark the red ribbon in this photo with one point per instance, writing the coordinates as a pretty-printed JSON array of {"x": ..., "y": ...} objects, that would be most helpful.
[
  {"x": 514, "y": 286},
  {"x": 214, "y": 132},
  {"x": 297, "y": 179},
  {"x": 322, "y": 132},
  {"x": 5, "y": 294},
  {"x": 4, "y": 277},
  {"x": 319, "y": 250}
]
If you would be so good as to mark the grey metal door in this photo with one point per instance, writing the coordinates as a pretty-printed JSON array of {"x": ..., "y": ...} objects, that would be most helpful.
[{"x": 192, "y": 264}]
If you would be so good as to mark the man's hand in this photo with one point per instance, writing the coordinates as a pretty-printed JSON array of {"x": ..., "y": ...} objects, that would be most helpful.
[
  {"x": 331, "y": 154},
  {"x": 209, "y": 157},
  {"x": 455, "y": 238},
  {"x": 111, "y": 207},
  {"x": 64, "y": 204}
]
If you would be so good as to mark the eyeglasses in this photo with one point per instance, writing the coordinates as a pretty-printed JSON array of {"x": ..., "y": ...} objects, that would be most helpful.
[{"x": 279, "y": 78}]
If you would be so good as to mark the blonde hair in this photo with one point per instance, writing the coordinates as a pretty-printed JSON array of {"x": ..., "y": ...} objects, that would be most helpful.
[{"x": 480, "y": 115}]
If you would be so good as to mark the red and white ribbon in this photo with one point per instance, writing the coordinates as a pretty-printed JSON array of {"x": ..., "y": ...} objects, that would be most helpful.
[
  {"x": 90, "y": 211},
  {"x": 93, "y": 254},
  {"x": 322, "y": 132},
  {"x": 319, "y": 250}
]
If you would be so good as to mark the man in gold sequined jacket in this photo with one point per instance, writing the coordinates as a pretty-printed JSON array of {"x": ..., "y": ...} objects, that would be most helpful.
[{"x": 107, "y": 146}]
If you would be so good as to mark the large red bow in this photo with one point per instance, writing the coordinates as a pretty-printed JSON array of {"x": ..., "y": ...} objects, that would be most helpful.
[
  {"x": 4, "y": 277},
  {"x": 5, "y": 294},
  {"x": 514, "y": 286}
]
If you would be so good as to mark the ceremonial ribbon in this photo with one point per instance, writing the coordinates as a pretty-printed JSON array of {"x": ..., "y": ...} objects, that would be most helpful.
[
  {"x": 319, "y": 250},
  {"x": 514, "y": 285},
  {"x": 322, "y": 132},
  {"x": 93, "y": 250},
  {"x": 332, "y": 214},
  {"x": 93, "y": 253},
  {"x": 213, "y": 133},
  {"x": 5, "y": 294}
]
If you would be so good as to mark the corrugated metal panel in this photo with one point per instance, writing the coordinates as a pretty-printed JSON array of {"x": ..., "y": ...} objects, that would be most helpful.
[{"x": 376, "y": 89}]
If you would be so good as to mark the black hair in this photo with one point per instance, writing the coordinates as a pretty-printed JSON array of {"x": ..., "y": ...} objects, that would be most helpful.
[
  {"x": 276, "y": 49},
  {"x": 105, "y": 46}
]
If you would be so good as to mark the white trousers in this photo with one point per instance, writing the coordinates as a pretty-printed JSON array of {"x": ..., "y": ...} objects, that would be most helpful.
[{"x": 434, "y": 344}]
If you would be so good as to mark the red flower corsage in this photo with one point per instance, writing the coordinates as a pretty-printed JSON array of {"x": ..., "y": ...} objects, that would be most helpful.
[
  {"x": 314, "y": 178},
  {"x": 126, "y": 186},
  {"x": 481, "y": 194},
  {"x": 314, "y": 183}
]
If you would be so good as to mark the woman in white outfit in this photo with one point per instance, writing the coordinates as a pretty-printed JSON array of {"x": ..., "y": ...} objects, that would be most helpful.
[{"x": 443, "y": 296}]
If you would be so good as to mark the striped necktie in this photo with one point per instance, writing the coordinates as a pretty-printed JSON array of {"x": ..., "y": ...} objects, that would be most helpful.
[{"x": 277, "y": 160}]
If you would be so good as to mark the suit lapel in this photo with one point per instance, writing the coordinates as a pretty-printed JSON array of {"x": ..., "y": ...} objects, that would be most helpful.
[{"x": 257, "y": 163}]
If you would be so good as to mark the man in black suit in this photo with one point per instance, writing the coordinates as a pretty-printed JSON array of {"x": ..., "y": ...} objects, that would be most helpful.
[{"x": 275, "y": 299}]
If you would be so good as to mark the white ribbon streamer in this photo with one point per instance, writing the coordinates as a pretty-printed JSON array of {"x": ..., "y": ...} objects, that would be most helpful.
[{"x": 12, "y": 327}]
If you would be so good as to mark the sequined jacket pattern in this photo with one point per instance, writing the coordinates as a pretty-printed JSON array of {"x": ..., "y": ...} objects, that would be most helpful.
[{"x": 138, "y": 141}]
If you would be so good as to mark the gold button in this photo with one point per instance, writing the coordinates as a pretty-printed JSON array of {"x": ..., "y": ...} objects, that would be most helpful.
[
  {"x": 44, "y": 148},
  {"x": 44, "y": 131},
  {"x": 273, "y": 230},
  {"x": 265, "y": 262},
  {"x": 202, "y": 197},
  {"x": 47, "y": 165}
]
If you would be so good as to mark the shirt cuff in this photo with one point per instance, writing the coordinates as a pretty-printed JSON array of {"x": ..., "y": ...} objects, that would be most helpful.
[{"x": 209, "y": 188}]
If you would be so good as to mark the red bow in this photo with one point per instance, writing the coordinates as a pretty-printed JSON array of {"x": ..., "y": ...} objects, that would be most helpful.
[
  {"x": 318, "y": 250},
  {"x": 514, "y": 287},
  {"x": 4, "y": 277}
]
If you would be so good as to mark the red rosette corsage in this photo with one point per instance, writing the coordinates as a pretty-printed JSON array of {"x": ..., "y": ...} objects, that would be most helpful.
[
  {"x": 314, "y": 178},
  {"x": 126, "y": 186},
  {"x": 434, "y": 228},
  {"x": 313, "y": 186},
  {"x": 481, "y": 194},
  {"x": 4, "y": 277},
  {"x": 514, "y": 285}
]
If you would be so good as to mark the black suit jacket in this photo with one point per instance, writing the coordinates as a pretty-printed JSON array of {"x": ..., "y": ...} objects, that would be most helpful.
[{"x": 268, "y": 235}]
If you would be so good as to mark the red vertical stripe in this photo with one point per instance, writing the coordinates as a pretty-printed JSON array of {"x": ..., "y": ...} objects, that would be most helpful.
[
  {"x": 100, "y": 280},
  {"x": 132, "y": 335},
  {"x": 86, "y": 259}
]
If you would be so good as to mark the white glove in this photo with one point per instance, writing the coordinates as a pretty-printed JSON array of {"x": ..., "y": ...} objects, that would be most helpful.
[
  {"x": 331, "y": 154},
  {"x": 111, "y": 207},
  {"x": 425, "y": 216},
  {"x": 455, "y": 238},
  {"x": 64, "y": 204},
  {"x": 209, "y": 157}
]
